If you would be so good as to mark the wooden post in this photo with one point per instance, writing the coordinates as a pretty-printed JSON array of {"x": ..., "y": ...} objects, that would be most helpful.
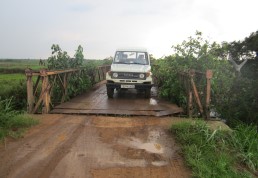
[
  {"x": 104, "y": 72},
  {"x": 99, "y": 74},
  {"x": 30, "y": 96},
  {"x": 187, "y": 86},
  {"x": 103, "y": 76},
  {"x": 46, "y": 94},
  {"x": 195, "y": 92},
  {"x": 208, "y": 93},
  {"x": 190, "y": 103},
  {"x": 64, "y": 87}
]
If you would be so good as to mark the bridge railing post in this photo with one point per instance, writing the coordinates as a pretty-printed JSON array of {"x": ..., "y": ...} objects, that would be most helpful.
[
  {"x": 64, "y": 88},
  {"x": 208, "y": 93},
  {"x": 197, "y": 90},
  {"x": 30, "y": 96},
  {"x": 45, "y": 89}
]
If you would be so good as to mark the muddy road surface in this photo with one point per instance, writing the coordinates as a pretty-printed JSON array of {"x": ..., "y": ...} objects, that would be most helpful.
[{"x": 80, "y": 146}]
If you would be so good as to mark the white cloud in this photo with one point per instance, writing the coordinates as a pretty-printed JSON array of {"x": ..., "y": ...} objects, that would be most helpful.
[{"x": 29, "y": 28}]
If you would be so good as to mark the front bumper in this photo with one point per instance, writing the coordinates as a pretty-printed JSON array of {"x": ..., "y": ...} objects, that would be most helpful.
[{"x": 136, "y": 85}]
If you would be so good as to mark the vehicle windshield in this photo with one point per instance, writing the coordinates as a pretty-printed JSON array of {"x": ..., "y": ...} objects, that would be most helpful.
[{"x": 131, "y": 57}]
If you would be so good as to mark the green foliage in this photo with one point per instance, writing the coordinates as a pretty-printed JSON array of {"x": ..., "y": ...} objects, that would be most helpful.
[
  {"x": 243, "y": 98},
  {"x": 61, "y": 60},
  {"x": 244, "y": 141},
  {"x": 241, "y": 102},
  {"x": 247, "y": 48},
  {"x": 77, "y": 82},
  {"x": 218, "y": 153},
  {"x": 91, "y": 67},
  {"x": 13, "y": 123},
  {"x": 232, "y": 97},
  {"x": 198, "y": 54}
]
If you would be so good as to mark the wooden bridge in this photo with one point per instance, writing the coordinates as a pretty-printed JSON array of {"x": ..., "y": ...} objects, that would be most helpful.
[{"x": 40, "y": 86}]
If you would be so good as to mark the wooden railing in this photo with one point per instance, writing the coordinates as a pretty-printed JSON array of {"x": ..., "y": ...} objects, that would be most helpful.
[
  {"x": 39, "y": 94},
  {"x": 197, "y": 84},
  {"x": 101, "y": 71}
]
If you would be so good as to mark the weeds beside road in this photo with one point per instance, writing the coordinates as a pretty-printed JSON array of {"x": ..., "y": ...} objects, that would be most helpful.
[
  {"x": 13, "y": 123},
  {"x": 218, "y": 153}
]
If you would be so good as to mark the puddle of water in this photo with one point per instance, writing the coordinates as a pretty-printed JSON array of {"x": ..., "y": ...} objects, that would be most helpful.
[
  {"x": 153, "y": 101},
  {"x": 149, "y": 146},
  {"x": 159, "y": 163}
]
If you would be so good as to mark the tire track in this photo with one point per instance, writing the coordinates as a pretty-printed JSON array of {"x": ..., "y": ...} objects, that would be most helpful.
[{"x": 37, "y": 148}]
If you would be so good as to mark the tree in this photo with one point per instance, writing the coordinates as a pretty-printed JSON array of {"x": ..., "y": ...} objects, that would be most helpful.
[
  {"x": 61, "y": 60},
  {"x": 242, "y": 51}
]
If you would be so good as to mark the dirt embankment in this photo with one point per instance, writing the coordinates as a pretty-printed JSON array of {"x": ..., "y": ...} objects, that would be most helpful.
[{"x": 94, "y": 146}]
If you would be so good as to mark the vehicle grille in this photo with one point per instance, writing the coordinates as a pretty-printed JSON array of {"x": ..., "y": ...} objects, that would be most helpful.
[{"x": 129, "y": 75}]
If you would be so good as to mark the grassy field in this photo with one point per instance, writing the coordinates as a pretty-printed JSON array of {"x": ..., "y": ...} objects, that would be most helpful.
[
  {"x": 9, "y": 82},
  {"x": 14, "y": 86},
  {"x": 19, "y": 65}
]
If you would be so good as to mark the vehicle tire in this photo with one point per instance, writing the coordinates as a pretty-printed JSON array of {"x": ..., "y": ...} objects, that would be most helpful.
[
  {"x": 110, "y": 92},
  {"x": 147, "y": 93}
]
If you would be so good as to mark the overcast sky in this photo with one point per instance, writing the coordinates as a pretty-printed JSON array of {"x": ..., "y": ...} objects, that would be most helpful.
[{"x": 28, "y": 28}]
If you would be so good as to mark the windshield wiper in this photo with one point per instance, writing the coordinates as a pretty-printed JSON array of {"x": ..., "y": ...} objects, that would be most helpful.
[
  {"x": 138, "y": 63},
  {"x": 120, "y": 63}
]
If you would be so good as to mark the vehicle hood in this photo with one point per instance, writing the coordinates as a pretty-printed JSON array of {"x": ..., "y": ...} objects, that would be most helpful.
[{"x": 130, "y": 68}]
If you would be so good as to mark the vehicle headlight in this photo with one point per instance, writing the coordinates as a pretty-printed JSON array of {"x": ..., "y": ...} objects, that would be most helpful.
[
  {"x": 141, "y": 75},
  {"x": 115, "y": 75},
  {"x": 148, "y": 74}
]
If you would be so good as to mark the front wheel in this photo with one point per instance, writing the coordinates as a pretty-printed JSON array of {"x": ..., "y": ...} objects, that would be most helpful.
[{"x": 110, "y": 92}]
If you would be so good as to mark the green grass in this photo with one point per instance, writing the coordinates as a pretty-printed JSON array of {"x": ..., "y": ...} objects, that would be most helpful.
[
  {"x": 13, "y": 123},
  {"x": 14, "y": 85},
  {"x": 218, "y": 153},
  {"x": 18, "y": 65},
  {"x": 10, "y": 81}
]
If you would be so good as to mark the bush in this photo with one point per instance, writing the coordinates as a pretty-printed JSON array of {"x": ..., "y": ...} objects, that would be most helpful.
[
  {"x": 232, "y": 96},
  {"x": 77, "y": 82}
]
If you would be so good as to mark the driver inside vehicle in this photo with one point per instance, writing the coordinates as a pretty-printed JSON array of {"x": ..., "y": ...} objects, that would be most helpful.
[
  {"x": 124, "y": 58},
  {"x": 141, "y": 59}
]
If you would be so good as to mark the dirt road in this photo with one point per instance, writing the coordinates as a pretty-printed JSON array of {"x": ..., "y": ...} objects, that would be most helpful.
[{"x": 94, "y": 146}]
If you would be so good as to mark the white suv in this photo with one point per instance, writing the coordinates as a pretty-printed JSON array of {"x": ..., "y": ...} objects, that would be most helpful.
[{"x": 130, "y": 69}]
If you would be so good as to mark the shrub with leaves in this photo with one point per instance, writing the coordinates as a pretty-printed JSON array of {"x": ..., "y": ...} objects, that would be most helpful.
[
  {"x": 233, "y": 96},
  {"x": 77, "y": 82},
  {"x": 198, "y": 54}
]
